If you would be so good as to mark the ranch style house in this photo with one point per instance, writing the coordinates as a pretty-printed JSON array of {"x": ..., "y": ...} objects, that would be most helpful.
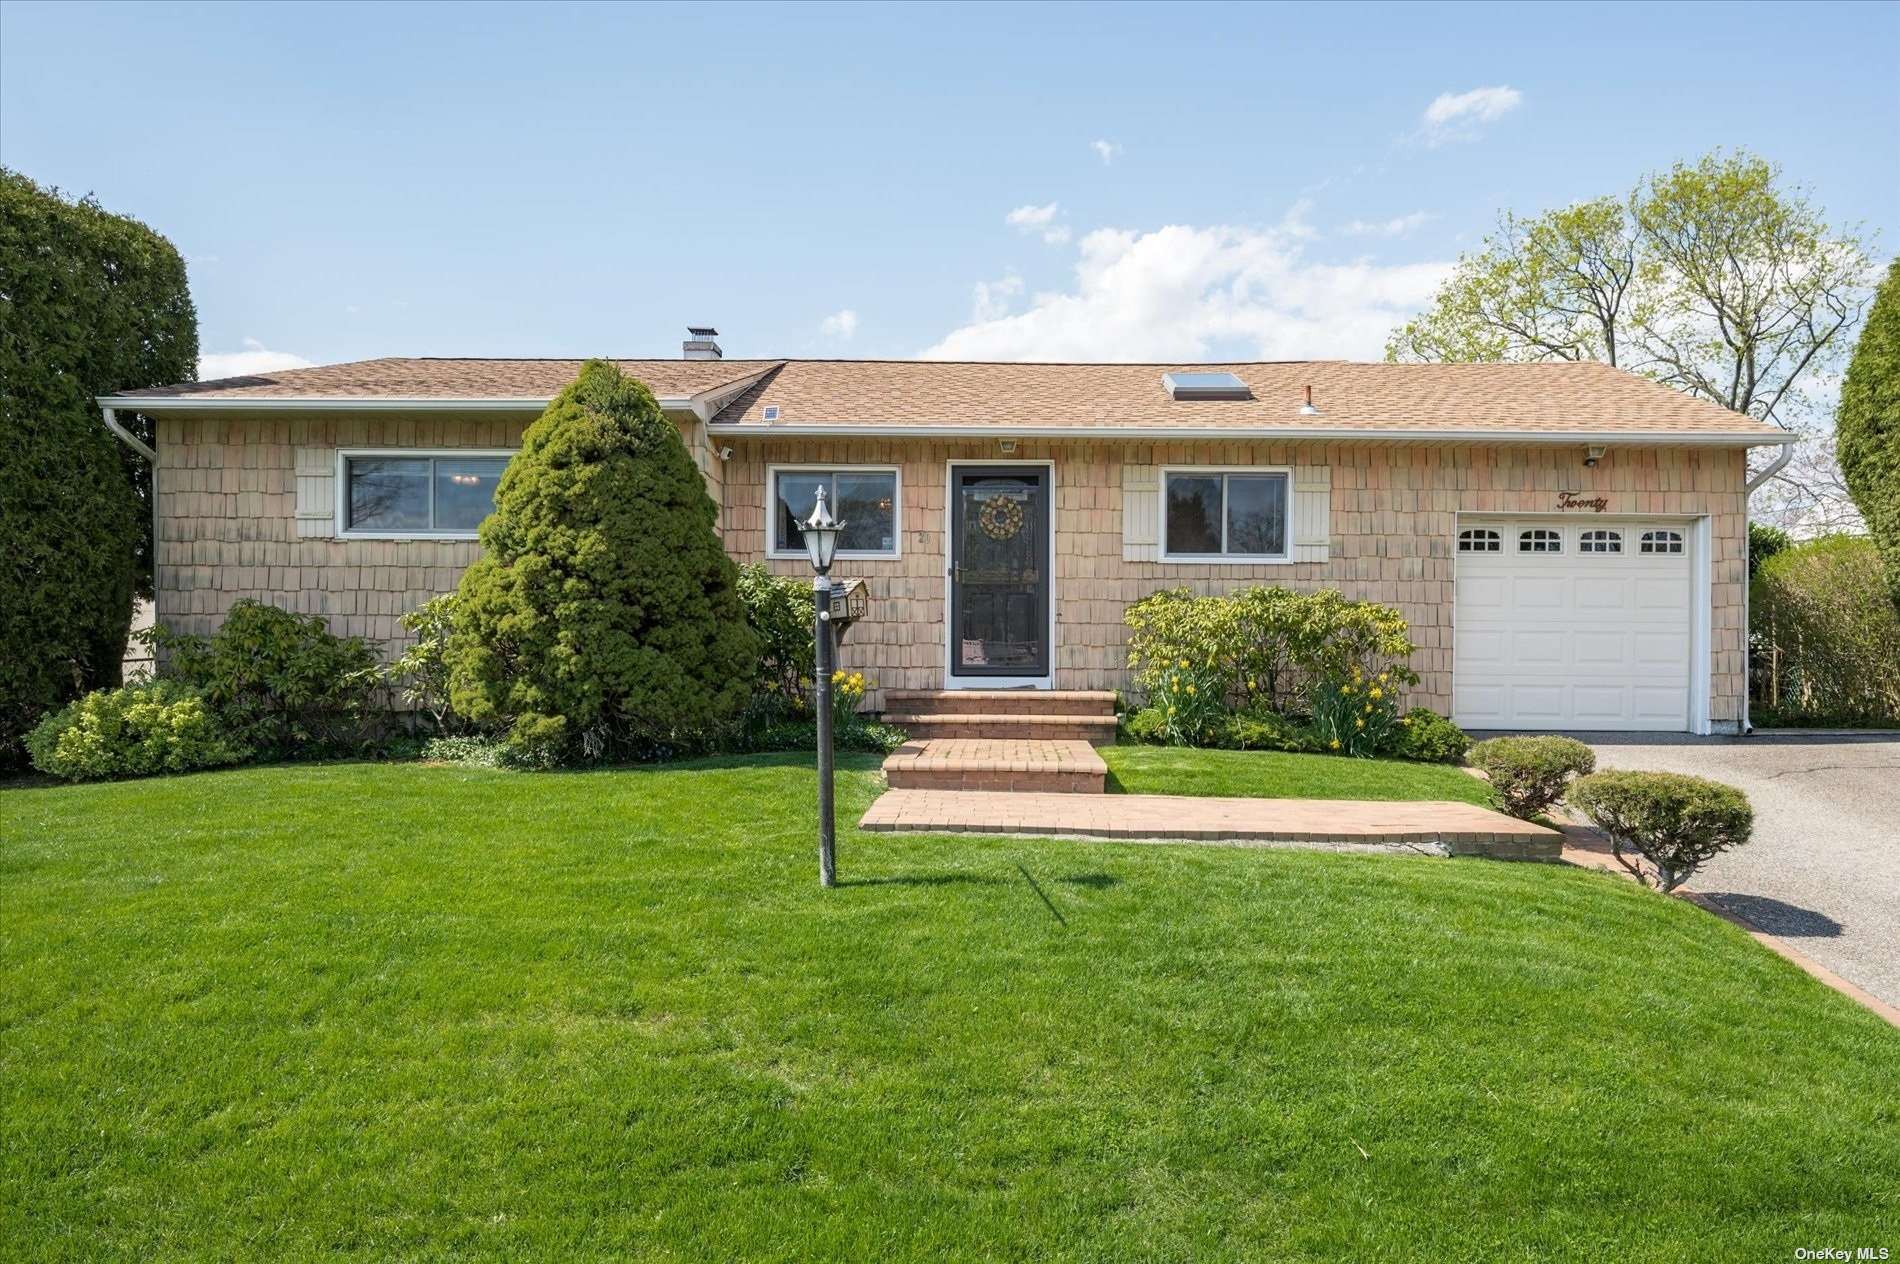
[{"x": 1569, "y": 541}]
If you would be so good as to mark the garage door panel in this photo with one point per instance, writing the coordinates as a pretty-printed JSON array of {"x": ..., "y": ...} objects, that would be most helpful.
[
  {"x": 1539, "y": 592},
  {"x": 1600, "y": 706},
  {"x": 1605, "y": 594},
  {"x": 1538, "y": 649},
  {"x": 1598, "y": 650},
  {"x": 1572, "y": 641}
]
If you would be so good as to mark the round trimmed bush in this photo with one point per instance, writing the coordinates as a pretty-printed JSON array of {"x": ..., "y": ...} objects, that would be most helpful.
[
  {"x": 136, "y": 731},
  {"x": 1531, "y": 774},
  {"x": 1672, "y": 820},
  {"x": 1430, "y": 738}
]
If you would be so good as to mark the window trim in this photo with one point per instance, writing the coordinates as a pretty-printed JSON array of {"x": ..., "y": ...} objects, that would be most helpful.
[
  {"x": 343, "y": 457},
  {"x": 1607, "y": 535},
  {"x": 1224, "y": 558},
  {"x": 772, "y": 549},
  {"x": 1494, "y": 536},
  {"x": 1552, "y": 534}
]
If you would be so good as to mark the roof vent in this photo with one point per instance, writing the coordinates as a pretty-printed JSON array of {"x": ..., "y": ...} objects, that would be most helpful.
[
  {"x": 1205, "y": 386},
  {"x": 700, "y": 346},
  {"x": 1309, "y": 408}
]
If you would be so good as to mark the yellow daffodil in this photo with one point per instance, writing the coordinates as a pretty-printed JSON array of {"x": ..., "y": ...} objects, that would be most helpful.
[
  {"x": 1170, "y": 710},
  {"x": 1333, "y": 745},
  {"x": 1184, "y": 664},
  {"x": 1345, "y": 689},
  {"x": 1190, "y": 688},
  {"x": 1359, "y": 724},
  {"x": 1384, "y": 676},
  {"x": 1375, "y": 692}
]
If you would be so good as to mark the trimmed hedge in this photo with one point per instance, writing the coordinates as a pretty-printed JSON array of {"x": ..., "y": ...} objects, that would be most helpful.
[
  {"x": 1673, "y": 821},
  {"x": 1829, "y": 632},
  {"x": 90, "y": 303},
  {"x": 1531, "y": 774},
  {"x": 1429, "y": 738},
  {"x": 1867, "y": 427},
  {"x": 161, "y": 726},
  {"x": 602, "y": 619}
]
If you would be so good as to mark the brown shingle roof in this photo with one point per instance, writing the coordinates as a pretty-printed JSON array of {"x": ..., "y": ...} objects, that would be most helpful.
[
  {"x": 1425, "y": 398},
  {"x": 429, "y": 378}
]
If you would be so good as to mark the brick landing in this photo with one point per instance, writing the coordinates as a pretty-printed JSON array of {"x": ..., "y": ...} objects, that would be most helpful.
[
  {"x": 988, "y": 763},
  {"x": 1460, "y": 829}
]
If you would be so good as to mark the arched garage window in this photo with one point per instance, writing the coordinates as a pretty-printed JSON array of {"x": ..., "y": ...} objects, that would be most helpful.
[
  {"x": 1540, "y": 540},
  {"x": 1662, "y": 542},
  {"x": 1480, "y": 540},
  {"x": 1600, "y": 542}
]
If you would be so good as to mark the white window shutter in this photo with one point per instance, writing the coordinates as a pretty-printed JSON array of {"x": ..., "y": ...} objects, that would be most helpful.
[
  {"x": 316, "y": 492},
  {"x": 1141, "y": 513},
  {"x": 1312, "y": 512}
]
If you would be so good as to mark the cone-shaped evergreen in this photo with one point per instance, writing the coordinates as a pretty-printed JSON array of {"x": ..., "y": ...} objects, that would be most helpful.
[
  {"x": 1867, "y": 432},
  {"x": 603, "y": 616}
]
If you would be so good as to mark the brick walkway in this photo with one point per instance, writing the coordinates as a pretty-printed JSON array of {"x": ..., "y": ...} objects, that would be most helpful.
[
  {"x": 1456, "y": 828},
  {"x": 996, "y": 763}
]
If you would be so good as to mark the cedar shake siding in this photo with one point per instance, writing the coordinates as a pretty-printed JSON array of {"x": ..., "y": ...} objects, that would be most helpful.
[{"x": 247, "y": 508}]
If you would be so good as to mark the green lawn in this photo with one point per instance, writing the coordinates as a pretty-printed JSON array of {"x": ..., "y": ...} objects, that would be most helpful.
[
  {"x": 1273, "y": 775},
  {"x": 403, "y": 1012}
]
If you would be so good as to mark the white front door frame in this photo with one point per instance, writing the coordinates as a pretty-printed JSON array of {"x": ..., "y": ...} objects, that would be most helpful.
[{"x": 950, "y": 679}]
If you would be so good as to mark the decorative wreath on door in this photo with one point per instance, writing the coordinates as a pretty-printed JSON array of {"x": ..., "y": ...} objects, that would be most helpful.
[{"x": 1001, "y": 517}]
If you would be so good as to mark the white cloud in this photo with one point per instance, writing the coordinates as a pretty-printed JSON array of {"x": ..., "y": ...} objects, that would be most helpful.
[
  {"x": 1398, "y": 227},
  {"x": 991, "y": 300},
  {"x": 1039, "y": 220},
  {"x": 840, "y": 324},
  {"x": 1459, "y": 115},
  {"x": 255, "y": 358},
  {"x": 1186, "y": 293},
  {"x": 1107, "y": 150}
]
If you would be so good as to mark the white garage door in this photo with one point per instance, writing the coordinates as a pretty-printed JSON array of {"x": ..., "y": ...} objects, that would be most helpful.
[{"x": 1566, "y": 625}]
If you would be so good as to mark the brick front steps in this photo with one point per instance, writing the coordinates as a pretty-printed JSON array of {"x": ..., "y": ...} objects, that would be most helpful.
[
  {"x": 1457, "y": 829},
  {"x": 950, "y": 763},
  {"x": 1062, "y": 715}
]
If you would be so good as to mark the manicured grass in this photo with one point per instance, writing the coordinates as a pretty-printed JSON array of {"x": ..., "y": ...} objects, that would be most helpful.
[
  {"x": 391, "y": 1012},
  {"x": 1273, "y": 775}
]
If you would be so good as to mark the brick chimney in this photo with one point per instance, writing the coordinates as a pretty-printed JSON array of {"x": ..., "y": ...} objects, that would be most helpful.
[{"x": 700, "y": 345}]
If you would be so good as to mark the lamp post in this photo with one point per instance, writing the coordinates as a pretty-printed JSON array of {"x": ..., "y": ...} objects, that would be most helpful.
[{"x": 821, "y": 541}]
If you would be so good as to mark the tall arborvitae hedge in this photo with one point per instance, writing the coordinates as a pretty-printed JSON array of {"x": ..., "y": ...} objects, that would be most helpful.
[
  {"x": 1867, "y": 433},
  {"x": 602, "y": 618},
  {"x": 90, "y": 303}
]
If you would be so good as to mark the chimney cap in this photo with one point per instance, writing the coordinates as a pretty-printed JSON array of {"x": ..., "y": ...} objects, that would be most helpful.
[
  {"x": 700, "y": 345},
  {"x": 702, "y": 331}
]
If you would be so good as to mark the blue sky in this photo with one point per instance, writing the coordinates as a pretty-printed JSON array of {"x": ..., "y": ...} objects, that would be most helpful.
[{"x": 352, "y": 181}]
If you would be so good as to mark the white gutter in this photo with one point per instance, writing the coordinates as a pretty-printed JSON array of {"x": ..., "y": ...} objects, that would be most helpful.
[
  {"x": 1335, "y": 434},
  {"x": 1773, "y": 468}
]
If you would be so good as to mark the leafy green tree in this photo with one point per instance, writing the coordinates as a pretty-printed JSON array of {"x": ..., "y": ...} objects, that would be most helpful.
[
  {"x": 602, "y": 617},
  {"x": 1868, "y": 425},
  {"x": 90, "y": 303},
  {"x": 1714, "y": 277}
]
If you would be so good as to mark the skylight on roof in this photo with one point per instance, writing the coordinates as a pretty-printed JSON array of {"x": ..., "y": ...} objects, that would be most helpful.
[{"x": 1205, "y": 386}]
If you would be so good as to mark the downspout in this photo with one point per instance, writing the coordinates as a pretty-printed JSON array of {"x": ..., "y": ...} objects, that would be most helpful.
[{"x": 1773, "y": 468}]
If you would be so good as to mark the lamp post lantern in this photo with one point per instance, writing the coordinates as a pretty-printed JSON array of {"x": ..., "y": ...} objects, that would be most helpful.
[{"x": 821, "y": 541}]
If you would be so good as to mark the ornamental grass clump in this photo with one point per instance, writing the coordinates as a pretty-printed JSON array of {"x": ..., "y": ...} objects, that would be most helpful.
[
  {"x": 1672, "y": 822},
  {"x": 1531, "y": 774}
]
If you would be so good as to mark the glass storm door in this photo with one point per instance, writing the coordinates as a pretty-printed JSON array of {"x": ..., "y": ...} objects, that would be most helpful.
[{"x": 999, "y": 571}]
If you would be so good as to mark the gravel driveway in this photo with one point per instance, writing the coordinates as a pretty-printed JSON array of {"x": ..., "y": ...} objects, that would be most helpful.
[{"x": 1823, "y": 869}]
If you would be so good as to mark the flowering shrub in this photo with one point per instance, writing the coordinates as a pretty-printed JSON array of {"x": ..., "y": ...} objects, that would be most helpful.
[
  {"x": 1188, "y": 701},
  {"x": 1357, "y": 715},
  {"x": 1265, "y": 645},
  {"x": 157, "y": 727}
]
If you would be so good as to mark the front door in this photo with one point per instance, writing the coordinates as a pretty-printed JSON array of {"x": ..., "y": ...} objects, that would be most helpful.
[{"x": 999, "y": 571}]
